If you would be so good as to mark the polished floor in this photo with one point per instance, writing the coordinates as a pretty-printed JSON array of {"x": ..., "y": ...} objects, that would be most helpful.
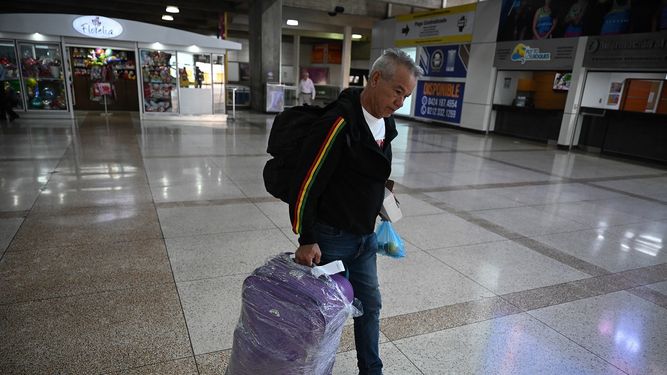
[{"x": 123, "y": 246}]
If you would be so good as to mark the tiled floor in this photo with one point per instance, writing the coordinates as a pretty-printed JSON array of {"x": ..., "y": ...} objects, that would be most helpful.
[{"x": 124, "y": 244}]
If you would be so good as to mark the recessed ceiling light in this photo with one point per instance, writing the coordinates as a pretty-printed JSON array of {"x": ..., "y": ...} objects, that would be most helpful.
[
  {"x": 292, "y": 22},
  {"x": 357, "y": 36},
  {"x": 172, "y": 9},
  {"x": 167, "y": 17}
]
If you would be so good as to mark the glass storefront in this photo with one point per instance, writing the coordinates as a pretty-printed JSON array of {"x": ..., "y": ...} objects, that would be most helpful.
[
  {"x": 9, "y": 72},
  {"x": 171, "y": 81},
  {"x": 43, "y": 78},
  {"x": 159, "y": 75}
]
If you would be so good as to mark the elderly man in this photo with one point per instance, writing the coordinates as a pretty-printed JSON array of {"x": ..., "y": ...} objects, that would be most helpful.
[
  {"x": 339, "y": 187},
  {"x": 306, "y": 89}
]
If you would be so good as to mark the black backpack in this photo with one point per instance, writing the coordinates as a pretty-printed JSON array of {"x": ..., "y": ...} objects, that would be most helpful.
[{"x": 289, "y": 129}]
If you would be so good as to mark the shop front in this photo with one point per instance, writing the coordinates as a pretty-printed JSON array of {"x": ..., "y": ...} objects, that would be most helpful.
[
  {"x": 532, "y": 85},
  {"x": 57, "y": 64},
  {"x": 623, "y": 109}
]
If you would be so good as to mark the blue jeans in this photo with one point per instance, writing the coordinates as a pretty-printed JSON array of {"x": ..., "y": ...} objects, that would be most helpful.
[{"x": 358, "y": 253}]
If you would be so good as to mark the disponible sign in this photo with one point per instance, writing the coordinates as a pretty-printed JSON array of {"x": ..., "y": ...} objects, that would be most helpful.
[
  {"x": 97, "y": 27},
  {"x": 450, "y": 25},
  {"x": 441, "y": 101}
]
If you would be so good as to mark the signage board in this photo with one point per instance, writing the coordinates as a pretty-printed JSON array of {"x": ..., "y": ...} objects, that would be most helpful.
[
  {"x": 448, "y": 25},
  {"x": 445, "y": 61},
  {"x": 97, "y": 27},
  {"x": 627, "y": 52},
  {"x": 551, "y": 54},
  {"x": 441, "y": 101}
]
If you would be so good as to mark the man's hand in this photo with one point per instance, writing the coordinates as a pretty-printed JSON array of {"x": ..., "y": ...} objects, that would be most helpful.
[{"x": 308, "y": 255}]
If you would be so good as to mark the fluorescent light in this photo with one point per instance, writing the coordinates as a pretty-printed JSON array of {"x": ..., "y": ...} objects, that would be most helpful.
[
  {"x": 172, "y": 9},
  {"x": 357, "y": 36},
  {"x": 292, "y": 22},
  {"x": 166, "y": 17}
]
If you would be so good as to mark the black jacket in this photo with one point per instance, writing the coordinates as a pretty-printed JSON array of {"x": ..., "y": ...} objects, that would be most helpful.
[{"x": 340, "y": 180}]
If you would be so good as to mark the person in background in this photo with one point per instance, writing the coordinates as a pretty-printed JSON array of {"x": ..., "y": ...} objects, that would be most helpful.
[
  {"x": 8, "y": 100},
  {"x": 574, "y": 19},
  {"x": 199, "y": 77},
  {"x": 339, "y": 185},
  {"x": 617, "y": 20},
  {"x": 306, "y": 89},
  {"x": 544, "y": 21}
]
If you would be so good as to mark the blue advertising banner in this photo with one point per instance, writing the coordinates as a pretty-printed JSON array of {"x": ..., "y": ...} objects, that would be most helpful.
[
  {"x": 445, "y": 61},
  {"x": 441, "y": 101}
]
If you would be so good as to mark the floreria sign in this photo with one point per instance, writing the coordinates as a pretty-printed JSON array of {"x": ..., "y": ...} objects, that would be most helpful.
[{"x": 97, "y": 27}]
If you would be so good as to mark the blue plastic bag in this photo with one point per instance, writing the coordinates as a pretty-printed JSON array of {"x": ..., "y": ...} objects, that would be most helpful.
[{"x": 389, "y": 242}]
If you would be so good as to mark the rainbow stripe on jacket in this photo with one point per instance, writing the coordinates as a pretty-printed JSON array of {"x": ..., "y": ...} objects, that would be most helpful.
[{"x": 311, "y": 175}]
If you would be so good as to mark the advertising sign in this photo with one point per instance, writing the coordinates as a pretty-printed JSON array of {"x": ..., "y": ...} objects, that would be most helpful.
[
  {"x": 627, "y": 52},
  {"x": 97, "y": 27},
  {"x": 551, "y": 54},
  {"x": 445, "y": 61},
  {"x": 449, "y": 25},
  {"x": 441, "y": 101},
  {"x": 540, "y": 19}
]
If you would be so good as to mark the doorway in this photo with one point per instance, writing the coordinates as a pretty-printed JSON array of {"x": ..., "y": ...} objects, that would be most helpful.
[{"x": 103, "y": 76}]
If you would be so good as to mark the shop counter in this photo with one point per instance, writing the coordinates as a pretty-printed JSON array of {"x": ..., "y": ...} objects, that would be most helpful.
[
  {"x": 634, "y": 134},
  {"x": 527, "y": 122}
]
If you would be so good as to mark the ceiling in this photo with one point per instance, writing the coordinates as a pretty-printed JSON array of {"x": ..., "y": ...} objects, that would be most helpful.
[{"x": 201, "y": 16}]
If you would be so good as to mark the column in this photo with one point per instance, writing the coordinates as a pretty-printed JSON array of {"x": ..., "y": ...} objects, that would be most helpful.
[
  {"x": 297, "y": 60},
  {"x": 346, "y": 59},
  {"x": 571, "y": 124},
  {"x": 265, "y": 18}
]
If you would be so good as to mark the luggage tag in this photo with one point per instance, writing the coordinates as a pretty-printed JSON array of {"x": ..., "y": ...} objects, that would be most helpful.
[{"x": 328, "y": 269}]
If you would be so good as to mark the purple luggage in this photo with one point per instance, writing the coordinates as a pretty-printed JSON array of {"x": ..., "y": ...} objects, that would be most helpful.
[{"x": 291, "y": 321}]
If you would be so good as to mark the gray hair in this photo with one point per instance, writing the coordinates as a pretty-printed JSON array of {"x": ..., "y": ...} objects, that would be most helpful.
[{"x": 387, "y": 63}]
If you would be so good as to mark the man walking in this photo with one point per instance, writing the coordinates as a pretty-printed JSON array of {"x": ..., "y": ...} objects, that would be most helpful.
[
  {"x": 306, "y": 89},
  {"x": 339, "y": 187}
]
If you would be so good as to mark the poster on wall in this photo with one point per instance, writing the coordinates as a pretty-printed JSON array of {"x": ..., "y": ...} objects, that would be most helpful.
[
  {"x": 540, "y": 19},
  {"x": 614, "y": 98},
  {"x": 449, "y": 25},
  {"x": 445, "y": 61},
  {"x": 441, "y": 101}
]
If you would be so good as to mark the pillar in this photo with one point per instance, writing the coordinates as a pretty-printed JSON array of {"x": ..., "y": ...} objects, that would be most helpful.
[
  {"x": 346, "y": 59},
  {"x": 265, "y": 19},
  {"x": 297, "y": 60}
]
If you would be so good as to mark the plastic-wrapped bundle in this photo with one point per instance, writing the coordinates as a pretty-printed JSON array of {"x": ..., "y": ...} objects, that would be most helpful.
[{"x": 291, "y": 321}]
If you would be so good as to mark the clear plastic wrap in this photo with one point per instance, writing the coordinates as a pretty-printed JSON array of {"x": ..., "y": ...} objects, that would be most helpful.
[{"x": 291, "y": 321}]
